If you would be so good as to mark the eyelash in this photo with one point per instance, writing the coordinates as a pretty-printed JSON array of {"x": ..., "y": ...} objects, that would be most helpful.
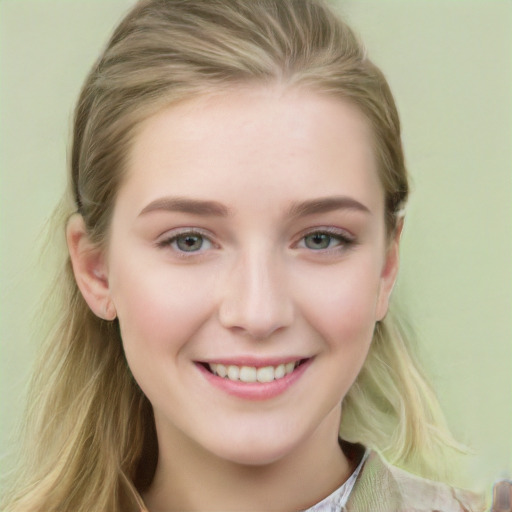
[
  {"x": 190, "y": 233},
  {"x": 343, "y": 239}
]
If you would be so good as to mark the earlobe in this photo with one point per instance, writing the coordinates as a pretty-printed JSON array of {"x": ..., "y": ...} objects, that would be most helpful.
[
  {"x": 389, "y": 272},
  {"x": 89, "y": 268}
]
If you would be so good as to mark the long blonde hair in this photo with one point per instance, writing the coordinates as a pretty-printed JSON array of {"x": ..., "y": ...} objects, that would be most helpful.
[{"x": 90, "y": 431}]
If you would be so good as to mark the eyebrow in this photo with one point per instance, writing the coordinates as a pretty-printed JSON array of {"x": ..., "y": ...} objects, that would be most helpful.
[
  {"x": 186, "y": 205},
  {"x": 214, "y": 208},
  {"x": 326, "y": 204}
]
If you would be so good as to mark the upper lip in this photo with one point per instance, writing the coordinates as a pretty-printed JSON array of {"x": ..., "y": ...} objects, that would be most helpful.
[{"x": 256, "y": 362}]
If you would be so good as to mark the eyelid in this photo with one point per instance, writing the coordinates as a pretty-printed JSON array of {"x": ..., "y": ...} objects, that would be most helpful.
[
  {"x": 328, "y": 230},
  {"x": 184, "y": 230},
  {"x": 346, "y": 238},
  {"x": 166, "y": 240}
]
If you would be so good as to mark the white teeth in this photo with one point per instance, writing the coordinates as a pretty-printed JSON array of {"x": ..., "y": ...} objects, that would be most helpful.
[
  {"x": 289, "y": 367},
  {"x": 233, "y": 372},
  {"x": 221, "y": 370},
  {"x": 280, "y": 371},
  {"x": 248, "y": 374},
  {"x": 265, "y": 374},
  {"x": 251, "y": 373}
]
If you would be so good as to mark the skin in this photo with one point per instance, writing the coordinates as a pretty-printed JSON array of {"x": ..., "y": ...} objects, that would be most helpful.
[{"x": 257, "y": 283}]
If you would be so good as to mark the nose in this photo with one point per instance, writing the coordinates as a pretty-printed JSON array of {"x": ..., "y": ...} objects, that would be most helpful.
[{"x": 254, "y": 296}]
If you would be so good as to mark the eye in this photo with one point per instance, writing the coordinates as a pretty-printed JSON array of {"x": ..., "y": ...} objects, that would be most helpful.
[
  {"x": 187, "y": 242},
  {"x": 325, "y": 240}
]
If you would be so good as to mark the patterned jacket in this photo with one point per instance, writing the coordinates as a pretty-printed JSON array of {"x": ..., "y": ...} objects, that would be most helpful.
[{"x": 381, "y": 487}]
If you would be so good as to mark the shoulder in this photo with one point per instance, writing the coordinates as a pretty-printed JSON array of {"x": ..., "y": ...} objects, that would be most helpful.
[
  {"x": 419, "y": 493},
  {"x": 381, "y": 487}
]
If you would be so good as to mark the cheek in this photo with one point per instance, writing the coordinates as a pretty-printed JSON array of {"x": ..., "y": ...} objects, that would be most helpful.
[
  {"x": 344, "y": 311},
  {"x": 158, "y": 308}
]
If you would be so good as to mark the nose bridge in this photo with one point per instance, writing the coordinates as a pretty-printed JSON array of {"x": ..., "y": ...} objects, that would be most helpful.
[{"x": 255, "y": 298}]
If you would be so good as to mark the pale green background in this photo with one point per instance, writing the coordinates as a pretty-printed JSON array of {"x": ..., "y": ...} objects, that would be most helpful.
[{"x": 449, "y": 65}]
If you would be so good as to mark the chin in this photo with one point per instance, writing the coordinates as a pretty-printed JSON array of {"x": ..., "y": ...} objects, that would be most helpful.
[{"x": 255, "y": 451}]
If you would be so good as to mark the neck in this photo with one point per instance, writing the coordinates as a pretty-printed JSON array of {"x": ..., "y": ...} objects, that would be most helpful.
[{"x": 190, "y": 478}]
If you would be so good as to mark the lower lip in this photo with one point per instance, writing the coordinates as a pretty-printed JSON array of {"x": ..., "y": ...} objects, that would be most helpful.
[{"x": 255, "y": 390}]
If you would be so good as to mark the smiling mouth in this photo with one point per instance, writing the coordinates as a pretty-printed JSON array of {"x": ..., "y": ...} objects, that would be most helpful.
[{"x": 252, "y": 374}]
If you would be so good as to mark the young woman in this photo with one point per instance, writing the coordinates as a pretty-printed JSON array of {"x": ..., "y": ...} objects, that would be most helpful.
[{"x": 236, "y": 201}]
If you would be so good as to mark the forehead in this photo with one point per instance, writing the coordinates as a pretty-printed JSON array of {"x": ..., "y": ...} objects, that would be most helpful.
[{"x": 256, "y": 142}]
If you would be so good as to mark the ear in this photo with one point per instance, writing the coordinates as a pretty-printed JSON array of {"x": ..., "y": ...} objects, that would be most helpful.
[
  {"x": 89, "y": 267},
  {"x": 389, "y": 272}
]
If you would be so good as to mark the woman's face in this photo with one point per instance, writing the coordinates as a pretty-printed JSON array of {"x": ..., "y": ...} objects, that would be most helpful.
[{"x": 248, "y": 239}]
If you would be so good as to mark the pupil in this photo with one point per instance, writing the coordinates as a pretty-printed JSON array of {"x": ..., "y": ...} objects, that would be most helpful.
[
  {"x": 189, "y": 243},
  {"x": 318, "y": 241}
]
